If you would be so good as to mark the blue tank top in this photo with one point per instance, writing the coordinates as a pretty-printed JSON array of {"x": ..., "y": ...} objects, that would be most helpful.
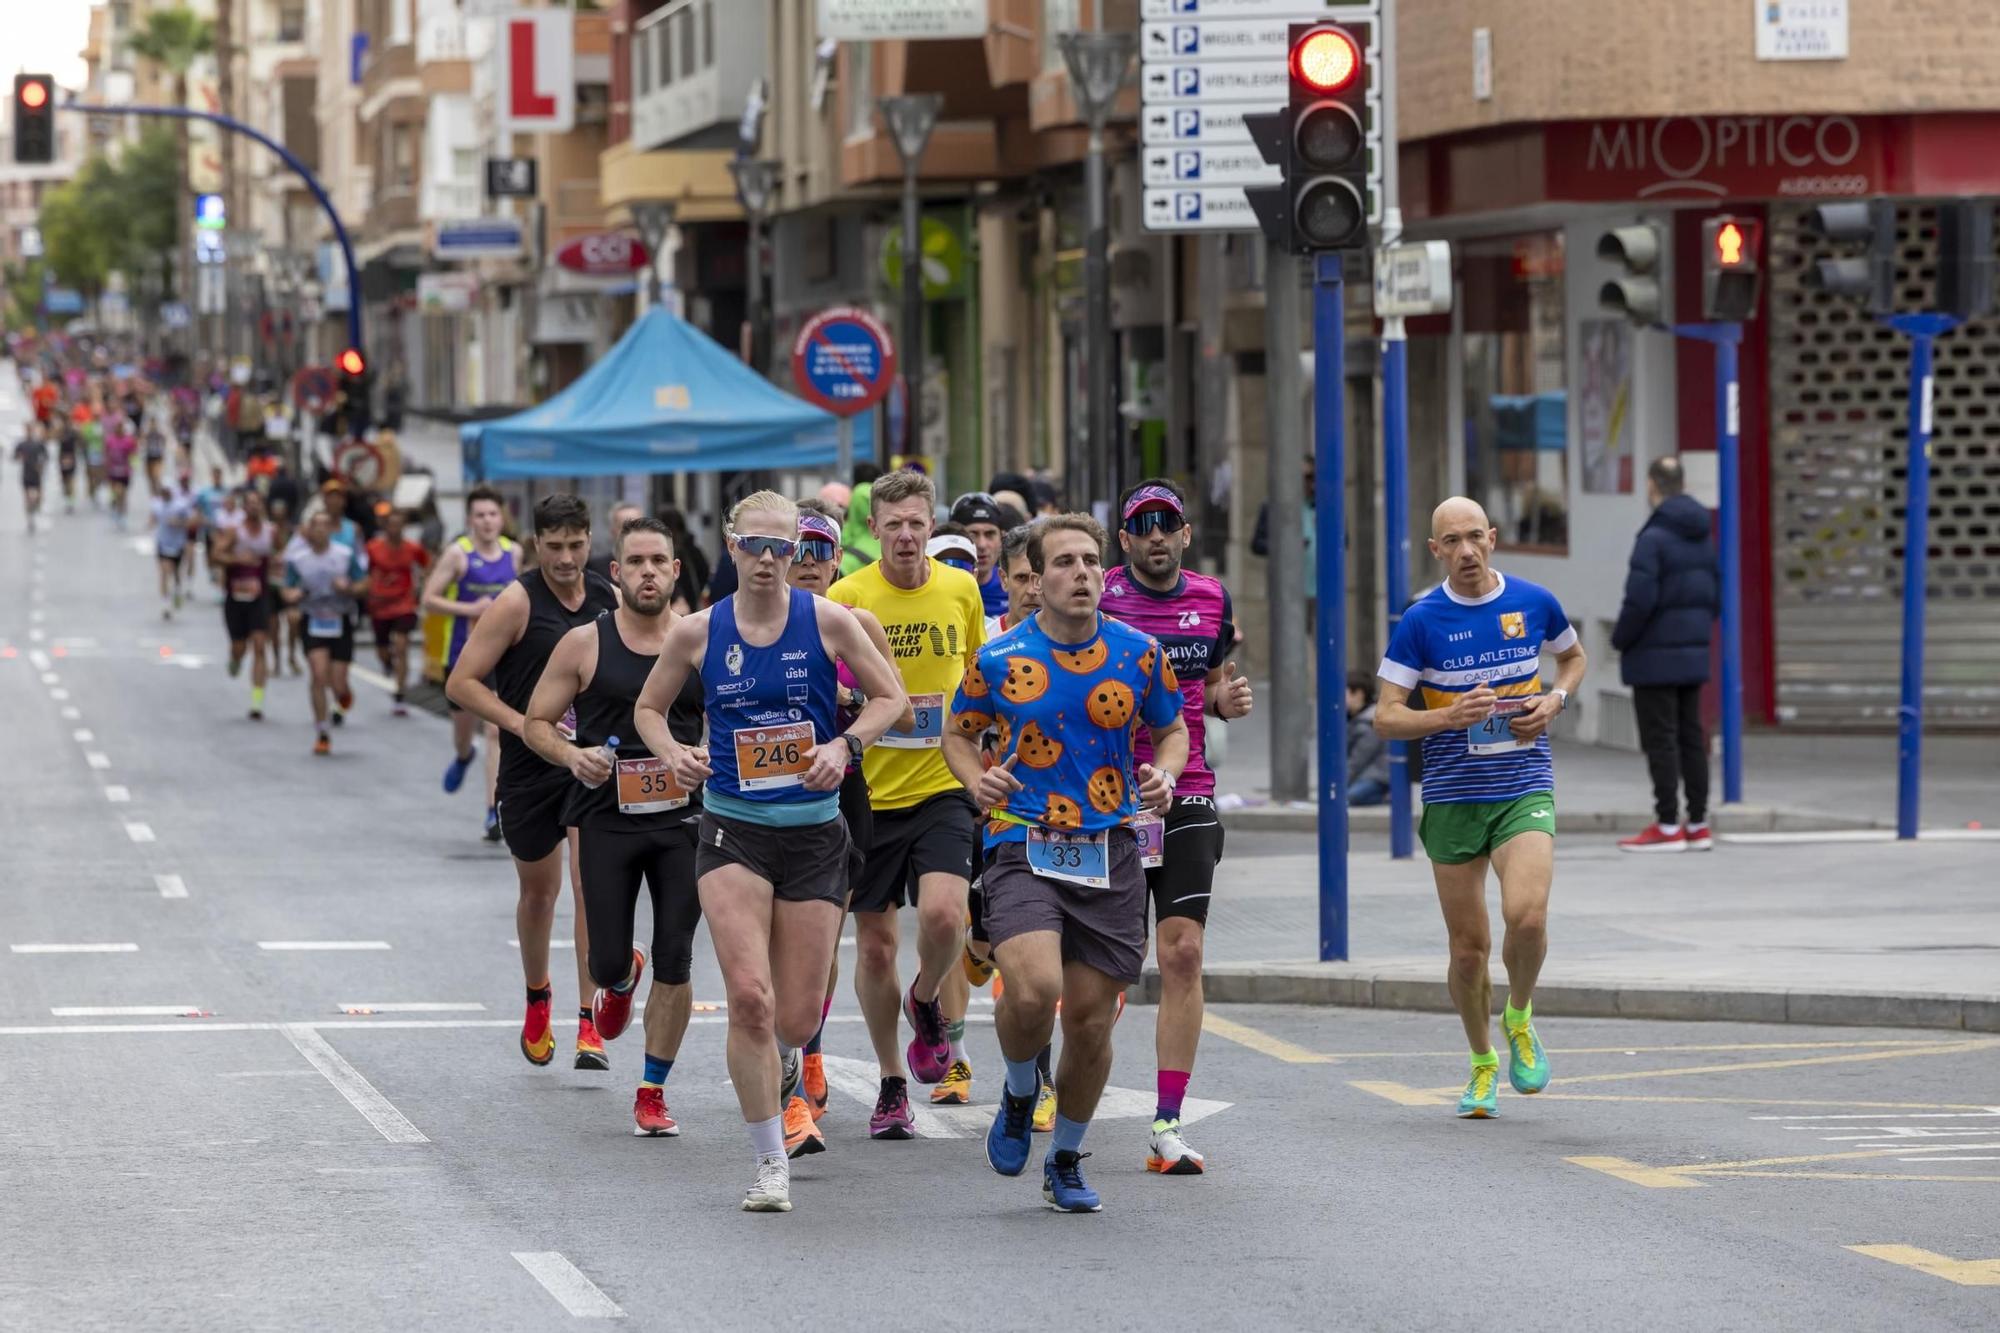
[
  {"x": 767, "y": 708},
  {"x": 482, "y": 578}
]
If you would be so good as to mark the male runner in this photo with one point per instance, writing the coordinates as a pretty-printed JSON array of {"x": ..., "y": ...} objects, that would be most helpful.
[
  {"x": 322, "y": 577},
  {"x": 511, "y": 644},
  {"x": 474, "y": 569},
  {"x": 67, "y": 443},
  {"x": 925, "y": 834},
  {"x": 119, "y": 445},
  {"x": 1473, "y": 645},
  {"x": 32, "y": 453},
  {"x": 634, "y": 823},
  {"x": 211, "y": 502},
  {"x": 979, "y": 514},
  {"x": 1065, "y": 892},
  {"x": 1189, "y": 615},
  {"x": 393, "y": 562},
  {"x": 173, "y": 521},
  {"x": 774, "y": 850},
  {"x": 245, "y": 549}
]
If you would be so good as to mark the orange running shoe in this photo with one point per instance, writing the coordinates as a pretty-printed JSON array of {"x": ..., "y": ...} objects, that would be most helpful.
[
  {"x": 538, "y": 1042},
  {"x": 802, "y": 1136},
  {"x": 589, "y": 1046},
  {"x": 322, "y": 746},
  {"x": 815, "y": 1085},
  {"x": 649, "y": 1115},
  {"x": 611, "y": 1010}
]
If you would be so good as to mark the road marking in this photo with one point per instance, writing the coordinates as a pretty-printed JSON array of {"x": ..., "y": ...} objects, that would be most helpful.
[
  {"x": 51, "y": 678},
  {"x": 34, "y": 636},
  {"x": 117, "y": 795},
  {"x": 58, "y": 694},
  {"x": 302, "y": 946},
  {"x": 1965, "y": 1272},
  {"x": 1399, "y": 1094},
  {"x": 72, "y": 714},
  {"x": 1879, "y": 1115},
  {"x": 97, "y": 758},
  {"x": 348, "y": 1082},
  {"x": 1261, "y": 1042},
  {"x": 139, "y": 832},
  {"x": 565, "y": 1281},
  {"x": 375, "y": 678},
  {"x": 73, "y": 948},
  {"x": 1942, "y": 1048},
  {"x": 170, "y": 886},
  {"x": 1744, "y": 1101},
  {"x": 270, "y": 1073},
  {"x": 1658, "y": 1178},
  {"x": 553, "y": 944},
  {"x": 38, "y": 659},
  {"x": 342, "y": 1025},
  {"x": 83, "y": 735},
  {"x": 1706, "y": 1048},
  {"x": 410, "y": 1007},
  {"x": 127, "y": 1011}
]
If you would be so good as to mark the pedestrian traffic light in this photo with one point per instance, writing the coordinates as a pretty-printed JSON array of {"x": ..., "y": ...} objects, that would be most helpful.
[
  {"x": 34, "y": 118},
  {"x": 1965, "y": 257},
  {"x": 351, "y": 363},
  {"x": 1730, "y": 274},
  {"x": 355, "y": 387},
  {"x": 1869, "y": 276},
  {"x": 1635, "y": 293},
  {"x": 1320, "y": 142}
]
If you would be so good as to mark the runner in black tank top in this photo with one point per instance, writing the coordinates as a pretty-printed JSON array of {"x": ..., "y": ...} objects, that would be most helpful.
[{"x": 634, "y": 822}]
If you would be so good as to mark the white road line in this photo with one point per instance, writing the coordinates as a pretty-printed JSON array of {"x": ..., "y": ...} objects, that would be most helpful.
[
  {"x": 170, "y": 886},
  {"x": 553, "y": 944},
  {"x": 58, "y": 694},
  {"x": 139, "y": 832},
  {"x": 117, "y": 795},
  {"x": 39, "y": 659},
  {"x": 1862, "y": 835},
  {"x": 97, "y": 759},
  {"x": 34, "y": 636},
  {"x": 303, "y": 946},
  {"x": 51, "y": 678},
  {"x": 410, "y": 1007},
  {"x": 269, "y": 1073},
  {"x": 565, "y": 1281},
  {"x": 83, "y": 735},
  {"x": 73, "y": 948},
  {"x": 375, "y": 678},
  {"x": 348, "y": 1082},
  {"x": 127, "y": 1011},
  {"x": 856, "y": 1078},
  {"x": 357, "y": 1024},
  {"x": 72, "y": 714}
]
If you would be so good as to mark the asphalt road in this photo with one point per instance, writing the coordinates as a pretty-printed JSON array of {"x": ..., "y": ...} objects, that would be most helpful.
[{"x": 278, "y": 1162}]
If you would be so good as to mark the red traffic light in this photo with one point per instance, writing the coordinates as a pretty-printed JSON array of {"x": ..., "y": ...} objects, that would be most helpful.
[
  {"x": 1729, "y": 245},
  {"x": 350, "y": 362},
  {"x": 1733, "y": 241},
  {"x": 34, "y": 94},
  {"x": 1325, "y": 60}
]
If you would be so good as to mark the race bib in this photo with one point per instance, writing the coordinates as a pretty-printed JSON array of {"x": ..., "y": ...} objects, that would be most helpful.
[
  {"x": 323, "y": 627},
  {"x": 647, "y": 787},
  {"x": 1150, "y": 831},
  {"x": 1494, "y": 736},
  {"x": 1079, "y": 858},
  {"x": 245, "y": 590},
  {"x": 768, "y": 758},
  {"x": 928, "y": 733}
]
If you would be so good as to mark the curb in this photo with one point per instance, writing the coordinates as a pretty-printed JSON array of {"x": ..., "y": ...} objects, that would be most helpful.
[
  {"x": 1330, "y": 984},
  {"x": 1731, "y": 819}
]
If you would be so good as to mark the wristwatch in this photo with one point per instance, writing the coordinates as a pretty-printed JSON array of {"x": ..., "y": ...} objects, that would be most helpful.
[
  {"x": 853, "y": 745},
  {"x": 1562, "y": 699}
]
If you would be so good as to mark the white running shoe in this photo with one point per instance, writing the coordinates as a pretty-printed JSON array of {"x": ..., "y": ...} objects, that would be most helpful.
[
  {"x": 1169, "y": 1154},
  {"x": 771, "y": 1192}
]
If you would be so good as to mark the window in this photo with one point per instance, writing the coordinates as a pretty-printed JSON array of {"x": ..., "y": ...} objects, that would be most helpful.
[
  {"x": 860, "y": 81},
  {"x": 708, "y": 34},
  {"x": 1058, "y": 17},
  {"x": 663, "y": 52},
  {"x": 292, "y": 20},
  {"x": 1516, "y": 401},
  {"x": 643, "y": 63},
  {"x": 685, "y": 39}
]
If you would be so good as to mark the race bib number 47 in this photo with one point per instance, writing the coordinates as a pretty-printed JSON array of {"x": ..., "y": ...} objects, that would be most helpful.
[{"x": 768, "y": 758}]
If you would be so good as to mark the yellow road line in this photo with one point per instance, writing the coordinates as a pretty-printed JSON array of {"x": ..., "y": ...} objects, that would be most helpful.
[
  {"x": 1261, "y": 1042},
  {"x": 1951, "y": 1048},
  {"x": 1657, "y": 1178},
  {"x": 1399, "y": 1094},
  {"x": 1965, "y": 1272}
]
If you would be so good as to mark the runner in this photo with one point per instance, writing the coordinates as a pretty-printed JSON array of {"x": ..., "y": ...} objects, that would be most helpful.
[
  {"x": 91, "y": 427},
  {"x": 511, "y": 644},
  {"x": 925, "y": 834},
  {"x": 67, "y": 444},
  {"x": 1189, "y": 615},
  {"x": 634, "y": 824},
  {"x": 213, "y": 500},
  {"x": 119, "y": 446},
  {"x": 322, "y": 577},
  {"x": 978, "y": 514},
  {"x": 474, "y": 569},
  {"x": 393, "y": 562},
  {"x": 174, "y": 520},
  {"x": 245, "y": 548},
  {"x": 32, "y": 453},
  {"x": 1065, "y": 892},
  {"x": 1474, "y": 645},
  {"x": 774, "y": 850}
]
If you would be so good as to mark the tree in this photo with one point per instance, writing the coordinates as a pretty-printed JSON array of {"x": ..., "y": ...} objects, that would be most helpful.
[
  {"x": 113, "y": 215},
  {"x": 174, "y": 39}
]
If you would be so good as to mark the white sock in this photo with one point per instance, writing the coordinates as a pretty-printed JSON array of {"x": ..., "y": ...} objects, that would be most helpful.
[
  {"x": 1670, "y": 829},
  {"x": 767, "y": 1137}
]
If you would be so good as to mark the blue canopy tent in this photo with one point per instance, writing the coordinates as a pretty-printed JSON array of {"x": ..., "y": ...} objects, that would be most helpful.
[{"x": 666, "y": 398}]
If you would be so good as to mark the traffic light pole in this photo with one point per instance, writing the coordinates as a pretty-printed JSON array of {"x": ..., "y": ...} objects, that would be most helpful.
[
  {"x": 1329, "y": 501},
  {"x": 299, "y": 168},
  {"x": 1395, "y": 435}
]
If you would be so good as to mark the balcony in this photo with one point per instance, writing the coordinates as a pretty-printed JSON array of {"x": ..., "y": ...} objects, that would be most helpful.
[
  {"x": 391, "y": 73},
  {"x": 691, "y": 73}
]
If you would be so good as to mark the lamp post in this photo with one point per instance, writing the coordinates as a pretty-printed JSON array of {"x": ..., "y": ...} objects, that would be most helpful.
[
  {"x": 653, "y": 217},
  {"x": 1098, "y": 63},
  {"x": 755, "y": 180},
  {"x": 911, "y": 117}
]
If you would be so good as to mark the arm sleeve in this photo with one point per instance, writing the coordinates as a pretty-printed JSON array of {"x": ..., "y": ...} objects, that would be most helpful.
[
  {"x": 1560, "y": 635},
  {"x": 969, "y": 716},
  {"x": 1403, "y": 663},
  {"x": 1225, "y": 633},
  {"x": 1161, "y": 702}
]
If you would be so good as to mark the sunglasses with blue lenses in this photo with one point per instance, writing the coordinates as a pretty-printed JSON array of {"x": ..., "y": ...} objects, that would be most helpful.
[
  {"x": 779, "y": 548},
  {"x": 816, "y": 549},
  {"x": 1154, "y": 520},
  {"x": 959, "y": 560}
]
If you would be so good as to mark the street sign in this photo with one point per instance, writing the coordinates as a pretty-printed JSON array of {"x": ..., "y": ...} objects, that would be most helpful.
[
  {"x": 510, "y": 177},
  {"x": 604, "y": 254},
  {"x": 478, "y": 238},
  {"x": 1413, "y": 279},
  {"x": 312, "y": 389},
  {"x": 1259, "y": 82},
  {"x": 843, "y": 360},
  {"x": 900, "y": 20},
  {"x": 62, "y": 301},
  {"x": 1228, "y": 39},
  {"x": 1301, "y": 10},
  {"x": 1217, "y": 123},
  {"x": 1241, "y": 165},
  {"x": 1205, "y": 209},
  {"x": 175, "y": 314},
  {"x": 364, "y": 465}
]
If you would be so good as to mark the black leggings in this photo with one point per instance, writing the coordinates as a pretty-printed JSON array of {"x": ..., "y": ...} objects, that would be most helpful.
[{"x": 614, "y": 863}]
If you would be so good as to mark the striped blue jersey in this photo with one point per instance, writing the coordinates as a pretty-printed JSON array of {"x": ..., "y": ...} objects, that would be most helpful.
[{"x": 1448, "y": 645}]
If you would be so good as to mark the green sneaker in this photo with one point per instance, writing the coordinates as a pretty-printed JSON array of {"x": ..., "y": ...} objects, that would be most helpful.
[
  {"x": 1481, "y": 1100},
  {"x": 1527, "y": 1062}
]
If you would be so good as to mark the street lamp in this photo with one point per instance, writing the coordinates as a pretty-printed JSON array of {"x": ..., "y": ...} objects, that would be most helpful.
[
  {"x": 1098, "y": 63},
  {"x": 911, "y": 117},
  {"x": 653, "y": 217},
  {"x": 755, "y": 181}
]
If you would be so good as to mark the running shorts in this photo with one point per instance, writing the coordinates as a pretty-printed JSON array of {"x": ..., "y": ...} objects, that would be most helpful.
[
  {"x": 1181, "y": 884},
  {"x": 803, "y": 864},
  {"x": 938, "y": 835},
  {"x": 1458, "y": 832},
  {"x": 1104, "y": 929}
]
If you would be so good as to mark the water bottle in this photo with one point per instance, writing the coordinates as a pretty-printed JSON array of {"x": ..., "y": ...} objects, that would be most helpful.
[{"x": 610, "y": 749}]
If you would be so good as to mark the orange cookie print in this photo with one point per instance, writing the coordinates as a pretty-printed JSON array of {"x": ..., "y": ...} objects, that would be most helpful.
[
  {"x": 1027, "y": 680},
  {"x": 972, "y": 724},
  {"x": 1083, "y": 660},
  {"x": 974, "y": 684},
  {"x": 1037, "y": 748},
  {"x": 1110, "y": 704},
  {"x": 1106, "y": 790},
  {"x": 1062, "y": 813},
  {"x": 1146, "y": 664},
  {"x": 1003, "y": 732}
]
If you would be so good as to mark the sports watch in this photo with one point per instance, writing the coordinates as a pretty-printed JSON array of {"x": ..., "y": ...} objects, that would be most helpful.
[{"x": 853, "y": 745}]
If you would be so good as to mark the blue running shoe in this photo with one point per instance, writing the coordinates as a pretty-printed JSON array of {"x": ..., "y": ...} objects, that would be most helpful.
[
  {"x": 494, "y": 830},
  {"x": 1008, "y": 1142},
  {"x": 454, "y": 776},
  {"x": 1062, "y": 1184},
  {"x": 1527, "y": 1062},
  {"x": 1481, "y": 1100}
]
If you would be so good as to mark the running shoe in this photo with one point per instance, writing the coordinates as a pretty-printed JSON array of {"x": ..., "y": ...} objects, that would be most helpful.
[
  {"x": 978, "y": 970},
  {"x": 1527, "y": 1062},
  {"x": 815, "y": 1084},
  {"x": 929, "y": 1053},
  {"x": 1481, "y": 1100},
  {"x": 590, "y": 1047},
  {"x": 256, "y": 715},
  {"x": 235, "y": 667},
  {"x": 893, "y": 1118},
  {"x": 649, "y": 1115},
  {"x": 338, "y": 718},
  {"x": 611, "y": 1010},
  {"x": 345, "y": 699},
  {"x": 771, "y": 1192},
  {"x": 322, "y": 746},
  {"x": 494, "y": 832},
  {"x": 1062, "y": 1184},
  {"x": 1653, "y": 838},
  {"x": 454, "y": 773},
  {"x": 398, "y": 710},
  {"x": 538, "y": 1041},
  {"x": 1169, "y": 1154},
  {"x": 1008, "y": 1141},
  {"x": 1699, "y": 839},
  {"x": 802, "y": 1136},
  {"x": 1045, "y": 1109},
  {"x": 955, "y": 1088}
]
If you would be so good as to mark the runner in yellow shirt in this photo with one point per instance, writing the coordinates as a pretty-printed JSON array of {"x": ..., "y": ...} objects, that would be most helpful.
[{"x": 926, "y": 830}]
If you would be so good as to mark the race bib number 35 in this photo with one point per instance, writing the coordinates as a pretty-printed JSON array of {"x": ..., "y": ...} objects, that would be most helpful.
[
  {"x": 768, "y": 758},
  {"x": 928, "y": 733},
  {"x": 647, "y": 786},
  {"x": 1078, "y": 858}
]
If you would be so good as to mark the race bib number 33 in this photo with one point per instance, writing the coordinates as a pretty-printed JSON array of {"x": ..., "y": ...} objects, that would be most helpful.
[
  {"x": 768, "y": 758},
  {"x": 647, "y": 786},
  {"x": 1078, "y": 858}
]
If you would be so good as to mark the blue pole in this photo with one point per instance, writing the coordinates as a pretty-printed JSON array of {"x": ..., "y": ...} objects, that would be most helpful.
[
  {"x": 303, "y": 172},
  {"x": 1396, "y": 540},
  {"x": 1329, "y": 499},
  {"x": 1731, "y": 502}
]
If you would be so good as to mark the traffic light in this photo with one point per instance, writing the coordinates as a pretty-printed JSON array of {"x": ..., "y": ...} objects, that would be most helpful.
[
  {"x": 1320, "y": 142},
  {"x": 355, "y": 386},
  {"x": 1868, "y": 277},
  {"x": 1965, "y": 257},
  {"x": 1636, "y": 293},
  {"x": 1730, "y": 276},
  {"x": 34, "y": 118},
  {"x": 351, "y": 364}
]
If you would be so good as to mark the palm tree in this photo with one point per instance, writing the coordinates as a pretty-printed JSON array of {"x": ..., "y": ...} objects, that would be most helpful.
[{"x": 174, "y": 39}]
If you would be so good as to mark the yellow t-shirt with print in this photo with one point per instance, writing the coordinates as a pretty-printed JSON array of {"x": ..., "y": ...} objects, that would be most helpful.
[{"x": 934, "y": 631}]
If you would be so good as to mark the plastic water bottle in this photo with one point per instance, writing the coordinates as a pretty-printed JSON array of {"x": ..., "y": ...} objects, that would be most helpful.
[{"x": 610, "y": 751}]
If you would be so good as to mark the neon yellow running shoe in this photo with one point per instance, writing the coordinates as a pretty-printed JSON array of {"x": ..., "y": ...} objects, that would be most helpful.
[
  {"x": 1481, "y": 1100},
  {"x": 1045, "y": 1110},
  {"x": 955, "y": 1088},
  {"x": 1527, "y": 1062}
]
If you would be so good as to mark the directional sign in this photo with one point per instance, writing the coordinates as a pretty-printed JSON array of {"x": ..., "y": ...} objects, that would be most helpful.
[
  {"x": 1299, "y": 10},
  {"x": 1216, "y": 80},
  {"x": 843, "y": 360},
  {"x": 1216, "y": 123},
  {"x": 1206, "y": 209},
  {"x": 1413, "y": 279},
  {"x": 1256, "y": 39},
  {"x": 1241, "y": 165}
]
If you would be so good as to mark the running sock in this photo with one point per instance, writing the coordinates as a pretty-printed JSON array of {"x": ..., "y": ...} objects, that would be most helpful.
[
  {"x": 812, "y": 1047},
  {"x": 1068, "y": 1136},
  {"x": 954, "y": 1035},
  {"x": 1490, "y": 1060},
  {"x": 1045, "y": 1061},
  {"x": 541, "y": 994},
  {"x": 583, "y": 1014},
  {"x": 767, "y": 1137},
  {"x": 257, "y": 697},
  {"x": 1024, "y": 1078},
  {"x": 1514, "y": 1018},
  {"x": 1670, "y": 829},
  {"x": 656, "y": 1071},
  {"x": 1173, "y": 1088}
]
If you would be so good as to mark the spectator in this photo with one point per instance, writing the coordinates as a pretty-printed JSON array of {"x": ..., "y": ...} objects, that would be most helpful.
[
  {"x": 1367, "y": 753},
  {"x": 1672, "y": 596}
]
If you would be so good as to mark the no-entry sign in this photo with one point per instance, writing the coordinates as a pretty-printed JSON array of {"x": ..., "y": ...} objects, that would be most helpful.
[{"x": 843, "y": 360}]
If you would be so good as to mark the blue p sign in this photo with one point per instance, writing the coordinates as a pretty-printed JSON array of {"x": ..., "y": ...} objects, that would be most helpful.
[
  {"x": 1187, "y": 39},
  {"x": 1187, "y": 124},
  {"x": 1187, "y": 207},
  {"x": 1187, "y": 165},
  {"x": 1187, "y": 83}
]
